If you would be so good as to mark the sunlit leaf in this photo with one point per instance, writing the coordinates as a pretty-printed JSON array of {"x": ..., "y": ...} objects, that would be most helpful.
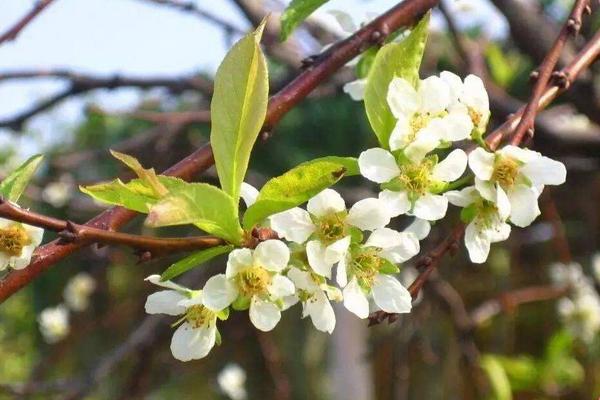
[
  {"x": 200, "y": 204},
  {"x": 238, "y": 110},
  {"x": 193, "y": 260},
  {"x": 497, "y": 377},
  {"x": 146, "y": 175},
  {"x": 401, "y": 59},
  {"x": 295, "y": 13},
  {"x": 12, "y": 187},
  {"x": 297, "y": 186}
]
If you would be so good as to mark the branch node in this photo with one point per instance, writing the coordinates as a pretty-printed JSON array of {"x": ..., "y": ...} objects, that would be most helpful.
[
  {"x": 534, "y": 75},
  {"x": 561, "y": 79},
  {"x": 573, "y": 26},
  {"x": 309, "y": 61}
]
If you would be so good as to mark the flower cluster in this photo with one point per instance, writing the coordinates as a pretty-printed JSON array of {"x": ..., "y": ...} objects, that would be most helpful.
[{"x": 328, "y": 253}]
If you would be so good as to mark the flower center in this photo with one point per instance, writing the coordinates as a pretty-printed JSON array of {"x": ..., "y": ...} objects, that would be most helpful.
[
  {"x": 415, "y": 178},
  {"x": 13, "y": 239},
  {"x": 253, "y": 281},
  {"x": 365, "y": 266},
  {"x": 417, "y": 122},
  {"x": 506, "y": 171},
  {"x": 476, "y": 117},
  {"x": 332, "y": 227},
  {"x": 198, "y": 316}
]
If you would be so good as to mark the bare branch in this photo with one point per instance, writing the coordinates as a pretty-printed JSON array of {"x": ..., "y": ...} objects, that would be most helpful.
[{"x": 12, "y": 33}]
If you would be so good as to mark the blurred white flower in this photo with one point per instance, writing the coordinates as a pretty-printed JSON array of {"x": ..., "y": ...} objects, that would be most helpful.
[
  {"x": 596, "y": 267},
  {"x": 54, "y": 323},
  {"x": 17, "y": 243},
  {"x": 581, "y": 314},
  {"x": 253, "y": 277},
  {"x": 232, "y": 382},
  {"x": 78, "y": 290},
  {"x": 60, "y": 192},
  {"x": 356, "y": 89}
]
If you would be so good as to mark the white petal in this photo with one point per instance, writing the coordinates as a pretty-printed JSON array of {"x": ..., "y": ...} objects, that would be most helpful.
[
  {"x": 477, "y": 244},
  {"x": 368, "y": 214},
  {"x": 155, "y": 279},
  {"x": 396, "y": 203},
  {"x": 356, "y": 89},
  {"x": 315, "y": 252},
  {"x": 499, "y": 233},
  {"x": 248, "y": 193},
  {"x": 281, "y": 287},
  {"x": 4, "y": 261},
  {"x": 23, "y": 260},
  {"x": 545, "y": 171},
  {"x": 384, "y": 238},
  {"x": 420, "y": 228},
  {"x": 390, "y": 295},
  {"x": 327, "y": 202},
  {"x": 219, "y": 292},
  {"x": 238, "y": 260},
  {"x": 272, "y": 254},
  {"x": 434, "y": 94},
  {"x": 263, "y": 314},
  {"x": 355, "y": 300},
  {"x": 401, "y": 134},
  {"x": 34, "y": 233},
  {"x": 337, "y": 250},
  {"x": 427, "y": 140},
  {"x": 502, "y": 203},
  {"x": 294, "y": 225},
  {"x": 454, "y": 83},
  {"x": 165, "y": 302},
  {"x": 431, "y": 207},
  {"x": 474, "y": 94},
  {"x": 190, "y": 343},
  {"x": 481, "y": 163},
  {"x": 523, "y": 205},
  {"x": 341, "y": 276},
  {"x": 458, "y": 126},
  {"x": 321, "y": 313},
  {"x": 405, "y": 250},
  {"x": 463, "y": 197},
  {"x": 452, "y": 167},
  {"x": 302, "y": 280},
  {"x": 402, "y": 97},
  {"x": 518, "y": 153},
  {"x": 378, "y": 165},
  {"x": 486, "y": 189}
]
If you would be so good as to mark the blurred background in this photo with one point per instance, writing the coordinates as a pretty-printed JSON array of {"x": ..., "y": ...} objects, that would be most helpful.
[{"x": 135, "y": 76}]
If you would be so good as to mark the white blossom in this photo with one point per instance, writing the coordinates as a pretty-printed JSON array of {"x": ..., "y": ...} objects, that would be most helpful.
[
  {"x": 315, "y": 295},
  {"x": 232, "y": 381},
  {"x": 197, "y": 332},
  {"x": 366, "y": 272},
  {"x": 410, "y": 187},
  {"x": 596, "y": 267},
  {"x": 58, "y": 193},
  {"x": 17, "y": 243},
  {"x": 470, "y": 97},
  {"x": 254, "y": 277},
  {"x": 518, "y": 173},
  {"x": 327, "y": 226},
  {"x": 54, "y": 323},
  {"x": 486, "y": 220},
  {"x": 78, "y": 290},
  {"x": 356, "y": 89}
]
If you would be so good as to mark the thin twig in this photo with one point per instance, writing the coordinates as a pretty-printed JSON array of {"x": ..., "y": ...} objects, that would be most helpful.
[{"x": 12, "y": 33}]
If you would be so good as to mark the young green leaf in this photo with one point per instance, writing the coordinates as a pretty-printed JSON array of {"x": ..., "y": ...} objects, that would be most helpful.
[
  {"x": 203, "y": 205},
  {"x": 12, "y": 187},
  {"x": 295, "y": 13},
  {"x": 238, "y": 110},
  {"x": 401, "y": 59},
  {"x": 297, "y": 186},
  {"x": 193, "y": 260},
  {"x": 146, "y": 175},
  {"x": 497, "y": 377}
]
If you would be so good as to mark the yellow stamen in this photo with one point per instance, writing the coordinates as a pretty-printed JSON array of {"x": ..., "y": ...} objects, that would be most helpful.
[
  {"x": 506, "y": 171},
  {"x": 253, "y": 281},
  {"x": 13, "y": 239}
]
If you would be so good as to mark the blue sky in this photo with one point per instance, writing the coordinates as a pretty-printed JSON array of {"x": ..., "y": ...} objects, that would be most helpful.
[{"x": 131, "y": 37}]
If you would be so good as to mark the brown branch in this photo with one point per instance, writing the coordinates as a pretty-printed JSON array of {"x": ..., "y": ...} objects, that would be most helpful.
[
  {"x": 544, "y": 72},
  {"x": 403, "y": 14},
  {"x": 12, "y": 33},
  {"x": 429, "y": 262},
  {"x": 71, "y": 232}
]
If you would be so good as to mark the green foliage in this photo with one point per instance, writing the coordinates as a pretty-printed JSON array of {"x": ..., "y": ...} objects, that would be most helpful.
[
  {"x": 297, "y": 186},
  {"x": 238, "y": 110},
  {"x": 295, "y": 13},
  {"x": 497, "y": 376},
  {"x": 12, "y": 187},
  {"x": 401, "y": 59},
  {"x": 146, "y": 175},
  {"x": 203, "y": 205},
  {"x": 365, "y": 62},
  {"x": 193, "y": 260}
]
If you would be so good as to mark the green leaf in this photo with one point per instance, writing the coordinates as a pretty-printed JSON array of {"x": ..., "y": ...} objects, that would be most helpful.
[
  {"x": 297, "y": 186},
  {"x": 203, "y": 205},
  {"x": 295, "y": 13},
  {"x": 497, "y": 377},
  {"x": 401, "y": 59},
  {"x": 242, "y": 303},
  {"x": 146, "y": 175},
  {"x": 366, "y": 62},
  {"x": 136, "y": 195},
  {"x": 523, "y": 372},
  {"x": 193, "y": 260},
  {"x": 388, "y": 267},
  {"x": 12, "y": 187},
  {"x": 238, "y": 110}
]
